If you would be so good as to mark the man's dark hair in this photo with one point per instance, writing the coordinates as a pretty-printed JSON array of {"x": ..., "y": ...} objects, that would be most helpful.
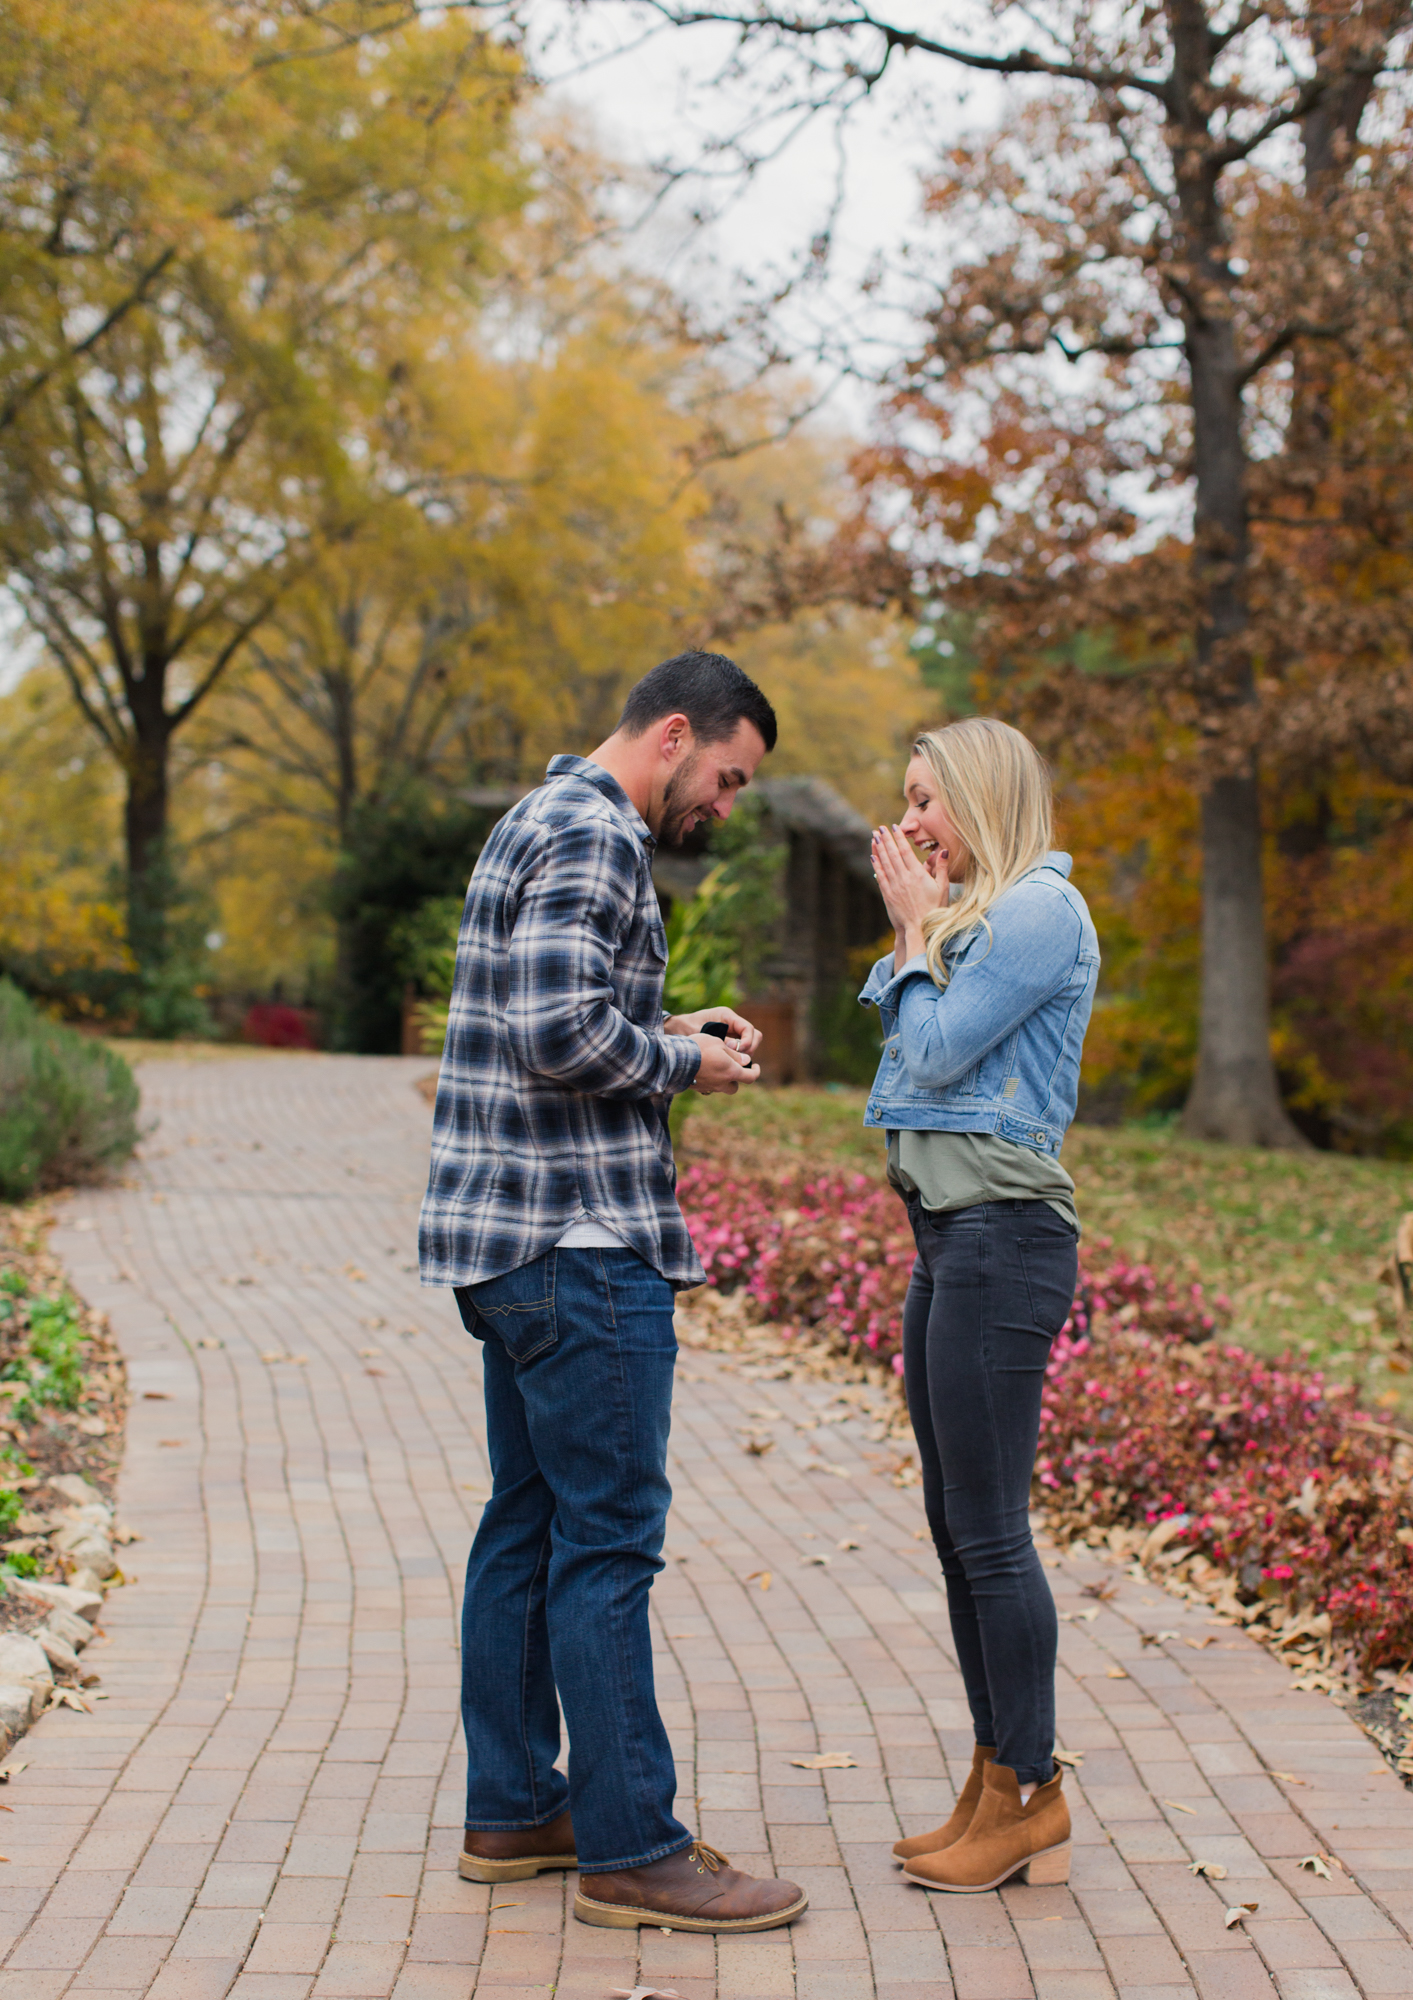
[{"x": 710, "y": 690}]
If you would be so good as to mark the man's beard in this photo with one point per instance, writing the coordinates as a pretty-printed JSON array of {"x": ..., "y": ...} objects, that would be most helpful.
[{"x": 675, "y": 824}]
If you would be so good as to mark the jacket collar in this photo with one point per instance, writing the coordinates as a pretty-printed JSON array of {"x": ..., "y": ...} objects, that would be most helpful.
[
  {"x": 568, "y": 766},
  {"x": 1060, "y": 862}
]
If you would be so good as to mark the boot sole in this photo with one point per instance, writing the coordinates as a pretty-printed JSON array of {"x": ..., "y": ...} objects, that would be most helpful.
[
  {"x": 627, "y": 1917},
  {"x": 1050, "y": 1865},
  {"x": 471, "y": 1868}
]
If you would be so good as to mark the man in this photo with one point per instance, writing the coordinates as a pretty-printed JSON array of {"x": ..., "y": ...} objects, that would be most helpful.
[{"x": 551, "y": 1210}]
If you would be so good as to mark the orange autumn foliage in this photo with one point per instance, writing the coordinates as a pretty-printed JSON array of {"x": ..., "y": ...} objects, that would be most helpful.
[{"x": 1339, "y": 908}]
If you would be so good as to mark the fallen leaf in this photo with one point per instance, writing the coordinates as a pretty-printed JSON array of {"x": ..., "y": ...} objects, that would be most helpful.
[
  {"x": 506, "y": 1906},
  {"x": 1177, "y": 1808},
  {"x": 847, "y": 1544},
  {"x": 763, "y": 1574},
  {"x": 370, "y": 1353},
  {"x": 1103, "y": 1591},
  {"x": 1238, "y": 1914},
  {"x": 379, "y": 1372},
  {"x": 156, "y": 1396},
  {"x": 758, "y": 1447},
  {"x": 1087, "y": 1616},
  {"x": 1316, "y": 1864},
  {"x": 1289, "y": 1778},
  {"x": 358, "y": 1277},
  {"x": 644, "y": 1993},
  {"x": 816, "y": 1559},
  {"x": 208, "y": 1341},
  {"x": 1213, "y": 1870},
  {"x": 1116, "y": 1674},
  {"x": 61, "y": 1697},
  {"x": 171, "y": 1444},
  {"x": 826, "y": 1760},
  {"x": 11, "y": 1771},
  {"x": 1200, "y": 1645},
  {"x": 1073, "y": 1758},
  {"x": 1155, "y": 1638}
]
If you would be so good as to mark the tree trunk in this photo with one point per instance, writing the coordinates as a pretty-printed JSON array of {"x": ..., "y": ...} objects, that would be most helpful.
[
  {"x": 1234, "y": 1095},
  {"x": 145, "y": 834}
]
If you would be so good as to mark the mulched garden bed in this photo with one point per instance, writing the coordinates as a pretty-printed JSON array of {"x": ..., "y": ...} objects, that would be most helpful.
[{"x": 63, "y": 1401}]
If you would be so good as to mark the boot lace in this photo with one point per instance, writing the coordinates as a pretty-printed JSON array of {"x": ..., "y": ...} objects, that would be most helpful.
[{"x": 708, "y": 1859}]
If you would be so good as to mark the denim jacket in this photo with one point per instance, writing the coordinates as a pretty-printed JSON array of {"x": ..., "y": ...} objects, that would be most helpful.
[{"x": 997, "y": 1049}]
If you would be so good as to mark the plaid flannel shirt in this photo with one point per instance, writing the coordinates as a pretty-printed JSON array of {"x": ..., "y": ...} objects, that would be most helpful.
[{"x": 556, "y": 1075}]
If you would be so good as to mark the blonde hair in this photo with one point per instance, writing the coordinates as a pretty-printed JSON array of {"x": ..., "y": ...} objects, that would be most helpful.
[{"x": 995, "y": 786}]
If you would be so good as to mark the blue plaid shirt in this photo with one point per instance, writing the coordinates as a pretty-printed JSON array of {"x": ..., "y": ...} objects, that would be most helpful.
[{"x": 556, "y": 1075}]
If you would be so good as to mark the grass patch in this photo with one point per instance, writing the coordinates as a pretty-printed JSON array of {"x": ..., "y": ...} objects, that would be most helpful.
[{"x": 1295, "y": 1240}]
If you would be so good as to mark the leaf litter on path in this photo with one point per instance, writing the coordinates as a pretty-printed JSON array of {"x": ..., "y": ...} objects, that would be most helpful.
[{"x": 826, "y": 1760}]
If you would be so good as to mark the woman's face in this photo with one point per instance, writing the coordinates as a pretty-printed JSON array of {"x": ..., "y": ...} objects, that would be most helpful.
[{"x": 926, "y": 823}]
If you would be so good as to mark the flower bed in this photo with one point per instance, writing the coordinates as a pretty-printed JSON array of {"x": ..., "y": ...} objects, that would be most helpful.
[{"x": 1257, "y": 1486}]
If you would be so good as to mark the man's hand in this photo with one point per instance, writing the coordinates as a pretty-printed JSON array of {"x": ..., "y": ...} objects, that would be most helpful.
[
  {"x": 724, "y": 1068},
  {"x": 741, "y": 1035}
]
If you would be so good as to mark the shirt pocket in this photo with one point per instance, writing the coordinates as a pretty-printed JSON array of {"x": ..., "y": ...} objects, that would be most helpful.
[{"x": 516, "y": 1309}]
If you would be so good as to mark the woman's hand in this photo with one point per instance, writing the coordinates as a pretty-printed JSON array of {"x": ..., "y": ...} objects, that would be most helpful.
[{"x": 910, "y": 891}]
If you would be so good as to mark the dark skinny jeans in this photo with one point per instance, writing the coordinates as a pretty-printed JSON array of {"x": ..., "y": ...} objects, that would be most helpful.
[{"x": 991, "y": 1288}]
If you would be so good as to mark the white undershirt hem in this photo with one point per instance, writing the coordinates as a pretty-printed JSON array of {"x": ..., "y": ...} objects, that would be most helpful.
[{"x": 590, "y": 1235}]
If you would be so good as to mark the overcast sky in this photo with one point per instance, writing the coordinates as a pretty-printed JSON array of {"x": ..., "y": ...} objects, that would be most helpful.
[{"x": 654, "y": 101}]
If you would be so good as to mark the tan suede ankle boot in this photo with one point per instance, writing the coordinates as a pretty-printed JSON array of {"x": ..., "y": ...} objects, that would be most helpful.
[
  {"x": 1005, "y": 1838},
  {"x": 956, "y": 1826}
]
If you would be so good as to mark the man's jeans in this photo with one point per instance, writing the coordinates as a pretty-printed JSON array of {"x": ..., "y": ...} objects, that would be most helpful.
[
  {"x": 991, "y": 1288},
  {"x": 579, "y": 1354}
]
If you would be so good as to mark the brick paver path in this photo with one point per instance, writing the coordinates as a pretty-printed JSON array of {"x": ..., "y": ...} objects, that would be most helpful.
[{"x": 268, "y": 1803}]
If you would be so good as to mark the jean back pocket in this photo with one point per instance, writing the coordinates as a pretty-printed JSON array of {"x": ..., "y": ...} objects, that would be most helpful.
[
  {"x": 1050, "y": 1266},
  {"x": 517, "y": 1309}
]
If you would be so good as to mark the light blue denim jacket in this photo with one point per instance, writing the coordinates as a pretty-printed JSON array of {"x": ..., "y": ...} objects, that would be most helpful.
[{"x": 997, "y": 1049}]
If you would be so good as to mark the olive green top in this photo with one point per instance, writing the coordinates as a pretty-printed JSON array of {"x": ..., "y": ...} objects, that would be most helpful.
[{"x": 958, "y": 1169}]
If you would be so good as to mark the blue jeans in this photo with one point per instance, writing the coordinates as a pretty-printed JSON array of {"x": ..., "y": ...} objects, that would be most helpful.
[
  {"x": 991, "y": 1288},
  {"x": 579, "y": 1354}
]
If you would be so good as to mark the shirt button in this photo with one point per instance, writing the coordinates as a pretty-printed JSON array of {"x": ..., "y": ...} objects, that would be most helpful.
[{"x": 892, "y": 1055}]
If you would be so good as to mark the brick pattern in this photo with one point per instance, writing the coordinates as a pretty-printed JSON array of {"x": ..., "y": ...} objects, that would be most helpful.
[{"x": 268, "y": 1803}]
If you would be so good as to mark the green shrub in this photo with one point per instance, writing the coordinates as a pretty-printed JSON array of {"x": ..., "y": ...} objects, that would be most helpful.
[{"x": 68, "y": 1105}]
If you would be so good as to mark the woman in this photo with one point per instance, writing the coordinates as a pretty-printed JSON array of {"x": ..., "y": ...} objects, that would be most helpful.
[{"x": 984, "y": 1004}]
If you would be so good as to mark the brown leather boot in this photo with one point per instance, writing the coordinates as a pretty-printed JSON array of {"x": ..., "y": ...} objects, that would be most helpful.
[
  {"x": 513, "y": 1854},
  {"x": 695, "y": 1889},
  {"x": 945, "y": 1836},
  {"x": 1005, "y": 1838}
]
